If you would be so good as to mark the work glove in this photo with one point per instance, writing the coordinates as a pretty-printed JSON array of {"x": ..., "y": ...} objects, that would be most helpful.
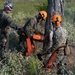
[
  {"x": 21, "y": 32},
  {"x": 39, "y": 56}
]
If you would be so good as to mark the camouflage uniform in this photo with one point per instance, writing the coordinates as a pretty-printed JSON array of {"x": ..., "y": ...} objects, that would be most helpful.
[
  {"x": 5, "y": 23},
  {"x": 59, "y": 39},
  {"x": 32, "y": 26}
]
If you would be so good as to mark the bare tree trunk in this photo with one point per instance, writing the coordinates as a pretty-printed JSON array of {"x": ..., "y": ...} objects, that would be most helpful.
[{"x": 54, "y": 6}]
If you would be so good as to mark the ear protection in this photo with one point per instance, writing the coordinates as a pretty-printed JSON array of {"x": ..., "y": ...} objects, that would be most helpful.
[
  {"x": 42, "y": 15},
  {"x": 57, "y": 22}
]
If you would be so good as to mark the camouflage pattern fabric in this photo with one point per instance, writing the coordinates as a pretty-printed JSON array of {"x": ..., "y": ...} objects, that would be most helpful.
[
  {"x": 5, "y": 23},
  {"x": 31, "y": 27},
  {"x": 59, "y": 39}
]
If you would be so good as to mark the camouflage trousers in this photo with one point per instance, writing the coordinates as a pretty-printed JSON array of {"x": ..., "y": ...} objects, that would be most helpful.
[
  {"x": 3, "y": 43},
  {"x": 58, "y": 66}
]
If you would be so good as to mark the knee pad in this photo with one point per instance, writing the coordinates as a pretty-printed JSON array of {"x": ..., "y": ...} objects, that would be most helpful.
[{"x": 4, "y": 40}]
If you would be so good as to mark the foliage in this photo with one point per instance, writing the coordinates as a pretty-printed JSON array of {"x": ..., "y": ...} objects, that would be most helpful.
[
  {"x": 16, "y": 64},
  {"x": 69, "y": 22},
  {"x": 71, "y": 32}
]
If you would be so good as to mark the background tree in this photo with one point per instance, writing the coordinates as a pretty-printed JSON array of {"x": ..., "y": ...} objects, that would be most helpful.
[{"x": 54, "y": 6}]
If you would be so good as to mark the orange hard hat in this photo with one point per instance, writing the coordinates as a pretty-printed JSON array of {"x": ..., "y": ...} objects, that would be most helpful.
[
  {"x": 44, "y": 13},
  {"x": 56, "y": 18}
]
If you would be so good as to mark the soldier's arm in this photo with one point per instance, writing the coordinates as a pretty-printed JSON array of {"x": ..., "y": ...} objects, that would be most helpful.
[
  {"x": 30, "y": 28},
  {"x": 10, "y": 23},
  {"x": 56, "y": 41}
]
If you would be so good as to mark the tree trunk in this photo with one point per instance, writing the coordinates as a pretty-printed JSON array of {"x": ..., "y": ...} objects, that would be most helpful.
[{"x": 54, "y": 6}]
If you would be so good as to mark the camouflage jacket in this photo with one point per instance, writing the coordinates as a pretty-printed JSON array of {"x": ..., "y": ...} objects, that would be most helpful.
[
  {"x": 5, "y": 21},
  {"x": 59, "y": 37},
  {"x": 33, "y": 26}
]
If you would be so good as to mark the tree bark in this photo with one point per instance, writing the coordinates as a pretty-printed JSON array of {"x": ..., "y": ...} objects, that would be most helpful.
[{"x": 54, "y": 6}]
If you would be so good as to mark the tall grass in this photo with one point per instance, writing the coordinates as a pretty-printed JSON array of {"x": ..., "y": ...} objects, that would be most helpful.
[{"x": 69, "y": 16}]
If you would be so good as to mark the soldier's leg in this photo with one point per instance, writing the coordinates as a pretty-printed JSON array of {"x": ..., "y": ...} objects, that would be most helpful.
[
  {"x": 22, "y": 44},
  {"x": 3, "y": 41},
  {"x": 59, "y": 63}
]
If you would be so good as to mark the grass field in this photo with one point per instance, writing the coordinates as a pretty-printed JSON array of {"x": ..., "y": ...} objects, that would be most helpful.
[{"x": 27, "y": 7}]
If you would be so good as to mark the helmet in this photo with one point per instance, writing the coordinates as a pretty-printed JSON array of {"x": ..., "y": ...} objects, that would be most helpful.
[
  {"x": 56, "y": 18},
  {"x": 9, "y": 5},
  {"x": 43, "y": 14}
]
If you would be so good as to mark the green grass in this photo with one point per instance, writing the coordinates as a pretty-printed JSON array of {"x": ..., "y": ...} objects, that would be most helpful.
[
  {"x": 69, "y": 16},
  {"x": 69, "y": 11},
  {"x": 26, "y": 7},
  {"x": 24, "y": 10}
]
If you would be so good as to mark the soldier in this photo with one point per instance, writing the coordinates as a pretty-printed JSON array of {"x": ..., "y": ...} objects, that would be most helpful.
[
  {"x": 34, "y": 29},
  {"x": 5, "y": 23},
  {"x": 59, "y": 39}
]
